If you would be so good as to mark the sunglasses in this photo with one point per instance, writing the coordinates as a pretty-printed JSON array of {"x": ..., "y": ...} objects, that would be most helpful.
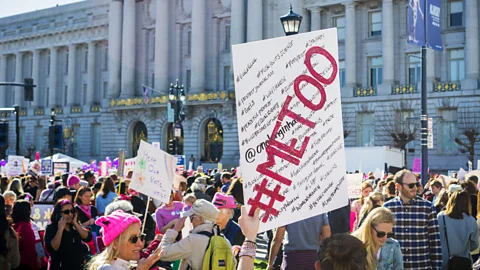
[
  {"x": 68, "y": 212},
  {"x": 134, "y": 239},
  {"x": 412, "y": 185},
  {"x": 381, "y": 234}
]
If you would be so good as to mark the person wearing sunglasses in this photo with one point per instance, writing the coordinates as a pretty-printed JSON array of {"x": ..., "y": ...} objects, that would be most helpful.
[
  {"x": 376, "y": 232},
  {"x": 64, "y": 236},
  {"x": 124, "y": 242},
  {"x": 416, "y": 225}
]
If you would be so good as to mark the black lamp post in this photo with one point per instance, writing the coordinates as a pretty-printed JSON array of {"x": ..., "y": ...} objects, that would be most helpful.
[
  {"x": 291, "y": 22},
  {"x": 177, "y": 98}
]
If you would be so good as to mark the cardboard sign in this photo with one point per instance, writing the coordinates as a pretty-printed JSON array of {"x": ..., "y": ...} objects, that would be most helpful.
[
  {"x": 46, "y": 167},
  {"x": 121, "y": 163},
  {"x": 41, "y": 214},
  {"x": 35, "y": 168},
  {"x": 417, "y": 165},
  {"x": 354, "y": 185},
  {"x": 153, "y": 173},
  {"x": 16, "y": 166},
  {"x": 61, "y": 167},
  {"x": 290, "y": 126}
]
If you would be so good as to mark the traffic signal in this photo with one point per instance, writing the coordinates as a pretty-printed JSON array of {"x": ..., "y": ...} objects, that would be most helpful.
[
  {"x": 3, "y": 134},
  {"x": 171, "y": 147},
  {"x": 28, "y": 89},
  {"x": 55, "y": 137}
]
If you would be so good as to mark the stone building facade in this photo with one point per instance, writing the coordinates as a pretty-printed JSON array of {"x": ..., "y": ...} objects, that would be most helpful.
[{"x": 91, "y": 59}]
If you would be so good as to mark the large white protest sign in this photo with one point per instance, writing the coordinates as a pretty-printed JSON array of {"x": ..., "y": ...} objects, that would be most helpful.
[
  {"x": 153, "y": 173},
  {"x": 354, "y": 185},
  {"x": 16, "y": 166},
  {"x": 290, "y": 126}
]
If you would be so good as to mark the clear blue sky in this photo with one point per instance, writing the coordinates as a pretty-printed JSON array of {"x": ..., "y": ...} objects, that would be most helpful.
[{"x": 13, "y": 7}]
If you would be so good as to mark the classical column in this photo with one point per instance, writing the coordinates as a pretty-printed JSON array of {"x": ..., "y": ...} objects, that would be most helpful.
[
  {"x": 388, "y": 56},
  {"x": 350, "y": 49},
  {"x": 255, "y": 20},
  {"x": 198, "y": 45},
  {"x": 72, "y": 51},
  {"x": 431, "y": 76},
  {"x": 161, "y": 45},
  {"x": 52, "y": 95},
  {"x": 115, "y": 16},
  {"x": 315, "y": 21},
  {"x": 237, "y": 29},
  {"x": 3, "y": 78},
  {"x": 91, "y": 74},
  {"x": 128, "y": 49},
  {"x": 471, "y": 45},
  {"x": 18, "y": 78},
  {"x": 38, "y": 96}
]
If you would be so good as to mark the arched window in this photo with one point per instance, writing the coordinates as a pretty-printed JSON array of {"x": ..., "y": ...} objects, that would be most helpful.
[
  {"x": 139, "y": 133},
  {"x": 170, "y": 136},
  {"x": 213, "y": 142}
]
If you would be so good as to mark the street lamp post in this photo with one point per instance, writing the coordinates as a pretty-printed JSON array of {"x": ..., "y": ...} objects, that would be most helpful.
[
  {"x": 291, "y": 22},
  {"x": 177, "y": 97}
]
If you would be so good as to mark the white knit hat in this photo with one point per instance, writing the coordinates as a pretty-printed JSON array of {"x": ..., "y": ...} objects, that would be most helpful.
[{"x": 204, "y": 209}]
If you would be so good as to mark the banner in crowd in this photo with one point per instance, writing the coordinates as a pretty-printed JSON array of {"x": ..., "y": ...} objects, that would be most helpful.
[
  {"x": 46, "y": 167},
  {"x": 354, "y": 185},
  {"x": 16, "y": 166},
  {"x": 180, "y": 162},
  {"x": 153, "y": 173},
  {"x": 417, "y": 165},
  {"x": 61, "y": 167},
  {"x": 41, "y": 214},
  {"x": 129, "y": 165},
  {"x": 290, "y": 126}
]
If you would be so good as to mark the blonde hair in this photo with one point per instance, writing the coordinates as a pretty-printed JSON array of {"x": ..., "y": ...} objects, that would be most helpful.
[
  {"x": 371, "y": 201},
  {"x": 110, "y": 253},
  {"x": 190, "y": 198},
  {"x": 364, "y": 233},
  {"x": 8, "y": 194}
]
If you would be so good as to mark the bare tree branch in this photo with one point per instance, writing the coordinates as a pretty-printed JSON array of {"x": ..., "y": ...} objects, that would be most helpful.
[{"x": 468, "y": 128}]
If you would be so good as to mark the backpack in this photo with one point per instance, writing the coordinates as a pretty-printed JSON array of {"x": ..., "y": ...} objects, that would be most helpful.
[{"x": 218, "y": 255}]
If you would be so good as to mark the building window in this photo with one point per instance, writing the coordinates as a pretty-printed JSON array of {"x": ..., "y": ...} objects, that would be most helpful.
[
  {"x": 447, "y": 131},
  {"x": 226, "y": 77},
  {"x": 47, "y": 97},
  {"x": 84, "y": 94},
  {"x": 39, "y": 138},
  {"x": 227, "y": 38},
  {"x": 48, "y": 65},
  {"x": 341, "y": 68},
  {"x": 105, "y": 58},
  {"x": 213, "y": 142},
  {"x": 189, "y": 42},
  {"x": 414, "y": 64},
  {"x": 455, "y": 13},
  {"x": 189, "y": 79},
  {"x": 65, "y": 91},
  {"x": 85, "y": 61},
  {"x": 456, "y": 64},
  {"x": 339, "y": 22},
  {"x": 153, "y": 81},
  {"x": 375, "y": 67},
  {"x": 375, "y": 23},
  {"x": 365, "y": 129},
  {"x": 96, "y": 132},
  {"x": 66, "y": 63},
  {"x": 105, "y": 89}
]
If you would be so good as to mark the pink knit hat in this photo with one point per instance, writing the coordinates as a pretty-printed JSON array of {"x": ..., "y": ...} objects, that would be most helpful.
[
  {"x": 114, "y": 224},
  {"x": 224, "y": 201},
  {"x": 72, "y": 180}
]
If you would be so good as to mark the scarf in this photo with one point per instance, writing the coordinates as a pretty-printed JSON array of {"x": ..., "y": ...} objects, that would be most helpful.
[{"x": 86, "y": 209}]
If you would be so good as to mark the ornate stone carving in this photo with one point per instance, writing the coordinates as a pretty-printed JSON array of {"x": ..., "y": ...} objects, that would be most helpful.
[{"x": 150, "y": 8}]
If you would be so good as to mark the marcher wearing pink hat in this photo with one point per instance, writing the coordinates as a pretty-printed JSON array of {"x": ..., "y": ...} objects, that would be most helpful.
[
  {"x": 73, "y": 182},
  {"x": 226, "y": 204},
  {"x": 124, "y": 243}
]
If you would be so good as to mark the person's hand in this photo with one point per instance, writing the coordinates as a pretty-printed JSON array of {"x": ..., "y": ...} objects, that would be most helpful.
[
  {"x": 158, "y": 237},
  {"x": 74, "y": 219},
  {"x": 145, "y": 264},
  {"x": 61, "y": 223},
  {"x": 248, "y": 224},
  {"x": 180, "y": 224},
  {"x": 91, "y": 221}
]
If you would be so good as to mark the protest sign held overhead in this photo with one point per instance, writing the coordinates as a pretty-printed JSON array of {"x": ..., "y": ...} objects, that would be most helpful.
[
  {"x": 290, "y": 126},
  {"x": 354, "y": 185},
  {"x": 16, "y": 166},
  {"x": 153, "y": 173}
]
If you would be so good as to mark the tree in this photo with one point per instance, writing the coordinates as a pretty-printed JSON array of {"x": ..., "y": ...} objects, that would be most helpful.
[
  {"x": 468, "y": 130},
  {"x": 348, "y": 123},
  {"x": 398, "y": 124}
]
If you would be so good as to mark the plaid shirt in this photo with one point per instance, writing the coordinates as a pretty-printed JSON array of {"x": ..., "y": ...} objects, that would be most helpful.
[{"x": 417, "y": 231}]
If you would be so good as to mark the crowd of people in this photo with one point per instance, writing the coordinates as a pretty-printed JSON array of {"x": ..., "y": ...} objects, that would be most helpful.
[{"x": 102, "y": 223}]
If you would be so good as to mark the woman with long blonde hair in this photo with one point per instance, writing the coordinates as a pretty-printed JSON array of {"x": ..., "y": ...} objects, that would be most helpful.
[
  {"x": 374, "y": 200},
  {"x": 124, "y": 243},
  {"x": 383, "y": 252}
]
